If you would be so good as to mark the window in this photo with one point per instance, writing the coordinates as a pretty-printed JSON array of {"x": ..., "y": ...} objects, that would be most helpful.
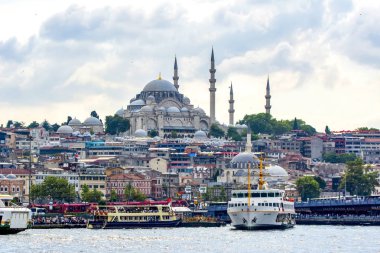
[
  {"x": 264, "y": 194},
  {"x": 266, "y": 204},
  {"x": 271, "y": 194}
]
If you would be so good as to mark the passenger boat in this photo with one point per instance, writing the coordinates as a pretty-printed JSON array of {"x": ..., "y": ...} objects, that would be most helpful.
[
  {"x": 133, "y": 216},
  {"x": 261, "y": 208},
  {"x": 13, "y": 218}
]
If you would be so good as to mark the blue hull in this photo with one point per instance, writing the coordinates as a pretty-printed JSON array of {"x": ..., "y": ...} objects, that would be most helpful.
[{"x": 121, "y": 225}]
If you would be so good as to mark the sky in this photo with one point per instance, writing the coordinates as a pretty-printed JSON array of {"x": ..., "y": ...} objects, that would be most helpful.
[{"x": 68, "y": 58}]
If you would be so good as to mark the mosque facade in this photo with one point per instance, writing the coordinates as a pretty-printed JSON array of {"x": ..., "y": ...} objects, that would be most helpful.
[{"x": 161, "y": 107}]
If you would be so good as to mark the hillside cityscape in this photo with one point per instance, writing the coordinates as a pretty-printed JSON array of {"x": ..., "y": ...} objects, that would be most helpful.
[{"x": 162, "y": 146}]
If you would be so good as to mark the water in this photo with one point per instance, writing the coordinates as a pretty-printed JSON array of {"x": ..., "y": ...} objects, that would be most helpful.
[{"x": 308, "y": 239}]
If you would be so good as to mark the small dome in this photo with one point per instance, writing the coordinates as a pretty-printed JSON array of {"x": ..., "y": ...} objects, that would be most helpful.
[
  {"x": 74, "y": 122},
  {"x": 151, "y": 98},
  {"x": 200, "y": 110},
  {"x": 86, "y": 134},
  {"x": 120, "y": 112},
  {"x": 159, "y": 85},
  {"x": 245, "y": 157},
  {"x": 200, "y": 135},
  {"x": 92, "y": 121},
  {"x": 65, "y": 129},
  {"x": 141, "y": 133},
  {"x": 2, "y": 176},
  {"x": 163, "y": 109},
  {"x": 156, "y": 138},
  {"x": 184, "y": 109},
  {"x": 173, "y": 109},
  {"x": 276, "y": 171},
  {"x": 146, "y": 108},
  {"x": 138, "y": 102},
  {"x": 186, "y": 100},
  {"x": 11, "y": 176}
]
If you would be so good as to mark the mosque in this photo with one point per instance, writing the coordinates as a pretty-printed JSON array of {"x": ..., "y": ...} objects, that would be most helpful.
[{"x": 161, "y": 107}]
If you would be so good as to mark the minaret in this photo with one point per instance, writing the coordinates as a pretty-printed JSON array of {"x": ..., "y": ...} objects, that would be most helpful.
[
  {"x": 212, "y": 88},
  {"x": 267, "y": 99},
  {"x": 231, "y": 101},
  {"x": 248, "y": 145},
  {"x": 175, "y": 77}
]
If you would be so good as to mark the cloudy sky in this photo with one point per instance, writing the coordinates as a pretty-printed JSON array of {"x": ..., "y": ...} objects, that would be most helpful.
[{"x": 323, "y": 57}]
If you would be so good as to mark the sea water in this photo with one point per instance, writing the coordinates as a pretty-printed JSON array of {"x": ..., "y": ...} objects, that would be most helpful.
[{"x": 301, "y": 238}]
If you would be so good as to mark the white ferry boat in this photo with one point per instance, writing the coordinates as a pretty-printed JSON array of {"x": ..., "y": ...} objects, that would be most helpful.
[
  {"x": 262, "y": 208},
  {"x": 13, "y": 218},
  {"x": 265, "y": 209}
]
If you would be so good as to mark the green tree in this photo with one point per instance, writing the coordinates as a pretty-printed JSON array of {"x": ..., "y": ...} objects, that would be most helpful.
[
  {"x": 153, "y": 133},
  {"x": 307, "y": 187},
  {"x": 132, "y": 193},
  {"x": 9, "y": 123},
  {"x": 34, "y": 124},
  {"x": 357, "y": 181},
  {"x": 222, "y": 195},
  {"x": 85, "y": 192},
  {"x": 233, "y": 134},
  {"x": 321, "y": 182},
  {"x": 116, "y": 124},
  {"x": 338, "y": 158},
  {"x": 54, "y": 127},
  {"x": 69, "y": 118},
  {"x": 308, "y": 129},
  {"x": 91, "y": 196},
  {"x": 295, "y": 124},
  {"x": 216, "y": 131},
  {"x": 94, "y": 114},
  {"x": 18, "y": 124},
  {"x": 327, "y": 130},
  {"x": 36, "y": 192},
  {"x": 54, "y": 188},
  {"x": 46, "y": 125},
  {"x": 113, "y": 196},
  {"x": 174, "y": 134}
]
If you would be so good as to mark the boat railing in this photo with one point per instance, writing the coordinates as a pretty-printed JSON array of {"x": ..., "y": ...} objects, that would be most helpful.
[{"x": 337, "y": 202}]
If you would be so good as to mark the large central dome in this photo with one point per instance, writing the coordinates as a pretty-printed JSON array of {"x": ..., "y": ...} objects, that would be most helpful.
[{"x": 159, "y": 85}]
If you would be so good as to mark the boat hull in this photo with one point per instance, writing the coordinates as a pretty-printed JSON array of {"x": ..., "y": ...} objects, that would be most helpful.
[
  {"x": 9, "y": 231},
  {"x": 128, "y": 225},
  {"x": 252, "y": 220}
]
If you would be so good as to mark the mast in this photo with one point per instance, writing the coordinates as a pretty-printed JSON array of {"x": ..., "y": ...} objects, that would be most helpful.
[{"x": 249, "y": 184}]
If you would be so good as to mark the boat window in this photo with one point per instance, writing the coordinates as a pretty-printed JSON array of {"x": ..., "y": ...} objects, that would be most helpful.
[
  {"x": 266, "y": 204},
  {"x": 240, "y": 195},
  {"x": 264, "y": 194},
  {"x": 246, "y": 195},
  {"x": 234, "y": 195},
  {"x": 270, "y": 204},
  {"x": 271, "y": 194},
  {"x": 259, "y": 204},
  {"x": 255, "y": 195},
  {"x": 277, "y": 194}
]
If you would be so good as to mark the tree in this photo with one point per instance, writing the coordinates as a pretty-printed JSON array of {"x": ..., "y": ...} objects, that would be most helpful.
[
  {"x": 308, "y": 129},
  {"x": 357, "y": 181},
  {"x": 174, "y": 134},
  {"x": 68, "y": 119},
  {"x": 18, "y": 124},
  {"x": 116, "y": 124},
  {"x": 327, "y": 130},
  {"x": 132, "y": 193},
  {"x": 9, "y": 123},
  {"x": 113, "y": 196},
  {"x": 295, "y": 124},
  {"x": 54, "y": 127},
  {"x": 46, "y": 125},
  {"x": 94, "y": 114},
  {"x": 367, "y": 129},
  {"x": 34, "y": 124},
  {"x": 216, "y": 131},
  {"x": 338, "y": 158},
  {"x": 54, "y": 188},
  {"x": 321, "y": 182},
  {"x": 307, "y": 187},
  {"x": 91, "y": 196},
  {"x": 233, "y": 134},
  {"x": 153, "y": 133}
]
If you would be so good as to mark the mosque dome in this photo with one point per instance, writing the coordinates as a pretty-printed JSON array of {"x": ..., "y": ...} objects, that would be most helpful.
[
  {"x": 163, "y": 109},
  {"x": 245, "y": 158},
  {"x": 146, "y": 108},
  {"x": 151, "y": 98},
  {"x": 199, "y": 110},
  {"x": 65, "y": 129},
  {"x": 92, "y": 121},
  {"x": 184, "y": 109},
  {"x": 138, "y": 102},
  {"x": 141, "y": 133},
  {"x": 200, "y": 135},
  {"x": 159, "y": 85},
  {"x": 173, "y": 109},
  {"x": 2, "y": 176},
  {"x": 86, "y": 134},
  {"x": 120, "y": 112},
  {"x": 276, "y": 171},
  {"x": 186, "y": 100},
  {"x": 11, "y": 176},
  {"x": 74, "y": 122}
]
